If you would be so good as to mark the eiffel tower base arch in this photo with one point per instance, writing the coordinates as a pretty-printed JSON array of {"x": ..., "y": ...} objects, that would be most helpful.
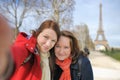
[{"x": 103, "y": 43}]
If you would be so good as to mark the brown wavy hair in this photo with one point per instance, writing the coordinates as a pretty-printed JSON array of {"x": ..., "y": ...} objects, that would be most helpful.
[
  {"x": 47, "y": 24},
  {"x": 75, "y": 50}
]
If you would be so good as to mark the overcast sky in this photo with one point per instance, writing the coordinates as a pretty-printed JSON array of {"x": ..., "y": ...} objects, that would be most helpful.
[{"x": 87, "y": 11}]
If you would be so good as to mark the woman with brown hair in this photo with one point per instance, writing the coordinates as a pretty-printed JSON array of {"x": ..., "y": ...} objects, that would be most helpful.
[
  {"x": 31, "y": 53},
  {"x": 70, "y": 61}
]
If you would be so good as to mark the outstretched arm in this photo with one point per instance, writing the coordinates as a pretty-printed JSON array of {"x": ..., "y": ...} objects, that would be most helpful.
[{"x": 5, "y": 41}]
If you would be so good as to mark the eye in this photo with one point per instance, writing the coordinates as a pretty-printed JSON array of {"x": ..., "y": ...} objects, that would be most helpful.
[
  {"x": 46, "y": 37},
  {"x": 57, "y": 46},
  {"x": 54, "y": 41},
  {"x": 66, "y": 47}
]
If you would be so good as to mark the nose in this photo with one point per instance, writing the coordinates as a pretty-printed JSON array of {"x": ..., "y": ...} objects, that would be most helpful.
[
  {"x": 61, "y": 51},
  {"x": 48, "y": 43}
]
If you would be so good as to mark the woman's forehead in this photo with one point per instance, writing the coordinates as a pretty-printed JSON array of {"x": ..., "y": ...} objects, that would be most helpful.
[{"x": 50, "y": 32}]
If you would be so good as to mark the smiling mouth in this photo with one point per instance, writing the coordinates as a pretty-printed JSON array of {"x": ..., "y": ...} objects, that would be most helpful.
[
  {"x": 46, "y": 48},
  {"x": 61, "y": 55}
]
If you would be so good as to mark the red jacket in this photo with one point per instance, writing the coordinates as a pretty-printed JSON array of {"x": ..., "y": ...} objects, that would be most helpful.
[{"x": 21, "y": 49}]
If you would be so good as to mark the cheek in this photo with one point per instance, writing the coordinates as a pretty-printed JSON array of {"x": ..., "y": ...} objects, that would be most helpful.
[
  {"x": 56, "y": 51},
  {"x": 53, "y": 44},
  {"x": 39, "y": 40},
  {"x": 58, "y": 56},
  {"x": 68, "y": 53}
]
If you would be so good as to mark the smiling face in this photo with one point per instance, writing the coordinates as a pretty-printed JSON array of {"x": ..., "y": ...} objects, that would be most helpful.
[
  {"x": 62, "y": 48},
  {"x": 46, "y": 39}
]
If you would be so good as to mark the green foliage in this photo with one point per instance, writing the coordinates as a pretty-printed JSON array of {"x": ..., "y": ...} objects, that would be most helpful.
[{"x": 113, "y": 53}]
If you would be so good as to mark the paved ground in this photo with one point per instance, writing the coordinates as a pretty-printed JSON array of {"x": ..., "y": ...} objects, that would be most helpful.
[{"x": 104, "y": 67}]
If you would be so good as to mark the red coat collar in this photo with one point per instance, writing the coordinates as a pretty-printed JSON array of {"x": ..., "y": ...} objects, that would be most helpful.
[{"x": 22, "y": 39}]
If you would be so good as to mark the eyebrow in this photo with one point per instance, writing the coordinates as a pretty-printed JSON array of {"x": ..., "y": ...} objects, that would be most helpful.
[{"x": 49, "y": 36}]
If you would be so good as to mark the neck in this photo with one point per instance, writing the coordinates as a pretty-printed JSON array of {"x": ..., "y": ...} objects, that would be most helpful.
[{"x": 43, "y": 54}]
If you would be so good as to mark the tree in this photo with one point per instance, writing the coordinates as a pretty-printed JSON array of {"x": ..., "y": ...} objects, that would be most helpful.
[
  {"x": 17, "y": 11},
  {"x": 82, "y": 33},
  {"x": 59, "y": 10}
]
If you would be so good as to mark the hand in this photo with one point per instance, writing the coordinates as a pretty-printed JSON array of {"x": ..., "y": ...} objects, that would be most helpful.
[
  {"x": 5, "y": 35},
  {"x": 5, "y": 42}
]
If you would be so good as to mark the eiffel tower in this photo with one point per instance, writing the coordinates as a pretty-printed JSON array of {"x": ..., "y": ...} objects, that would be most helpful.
[{"x": 100, "y": 32}]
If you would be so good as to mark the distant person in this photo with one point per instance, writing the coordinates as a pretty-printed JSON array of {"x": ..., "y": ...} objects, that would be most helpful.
[
  {"x": 86, "y": 50},
  {"x": 6, "y": 61},
  {"x": 70, "y": 61}
]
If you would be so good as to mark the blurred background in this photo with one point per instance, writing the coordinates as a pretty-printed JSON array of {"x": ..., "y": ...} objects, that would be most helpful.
[{"x": 96, "y": 24}]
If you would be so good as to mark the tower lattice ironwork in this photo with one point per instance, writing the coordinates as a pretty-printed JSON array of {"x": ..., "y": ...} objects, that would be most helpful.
[{"x": 100, "y": 32}]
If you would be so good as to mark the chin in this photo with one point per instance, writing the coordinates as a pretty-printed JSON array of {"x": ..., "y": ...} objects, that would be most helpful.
[
  {"x": 61, "y": 59},
  {"x": 44, "y": 51}
]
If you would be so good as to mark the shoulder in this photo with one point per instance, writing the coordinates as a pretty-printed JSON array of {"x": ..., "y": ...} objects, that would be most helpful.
[
  {"x": 21, "y": 39},
  {"x": 84, "y": 60},
  {"x": 22, "y": 48},
  {"x": 19, "y": 46},
  {"x": 85, "y": 67},
  {"x": 25, "y": 41}
]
